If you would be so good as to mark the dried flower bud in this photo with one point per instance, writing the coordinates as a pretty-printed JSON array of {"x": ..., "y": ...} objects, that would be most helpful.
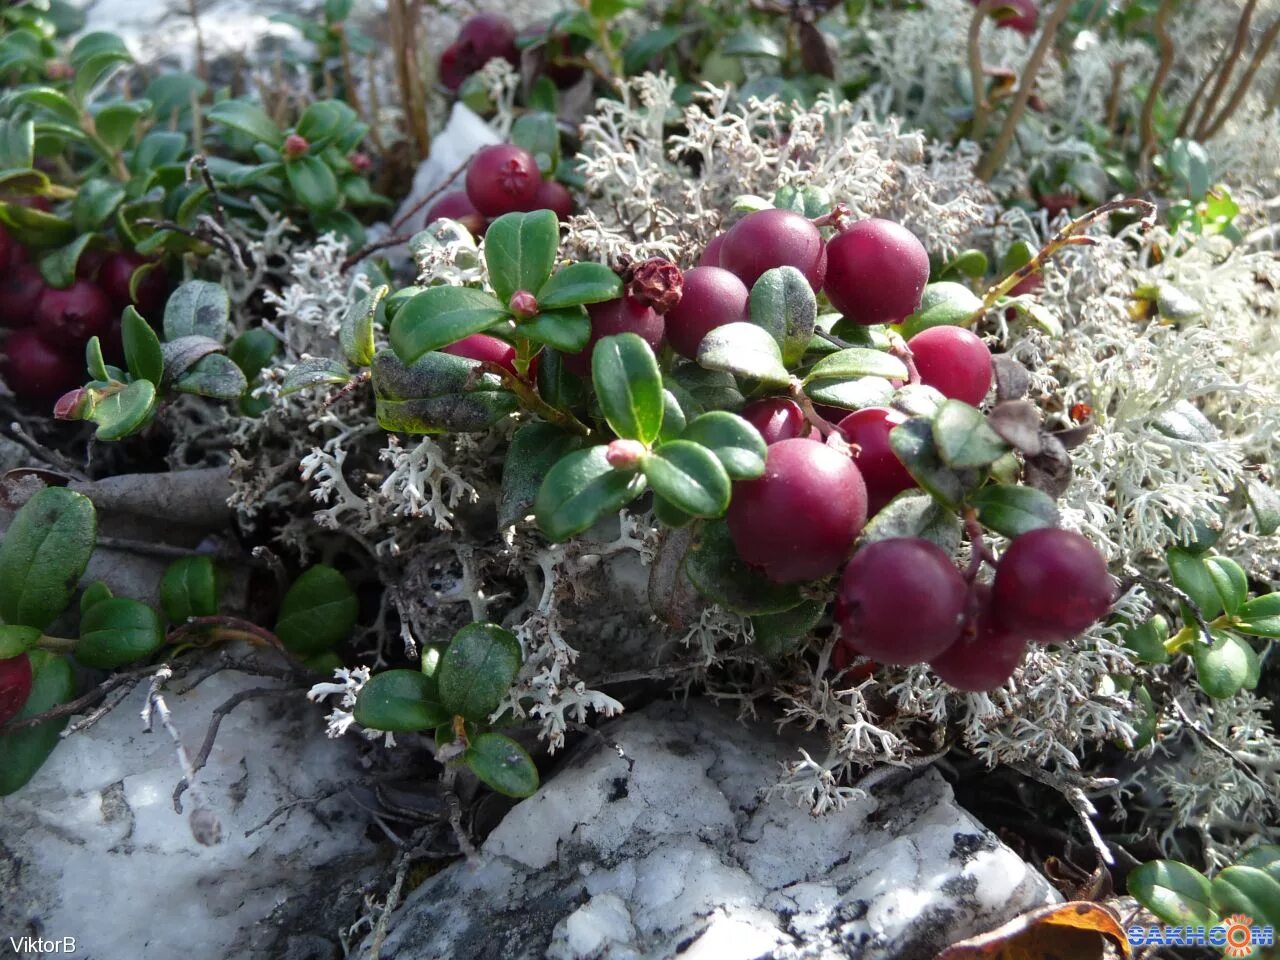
[
  {"x": 624, "y": 454},
  {"x": 295, "y": 146},
  {"x": 656, "y": 283},
  {"x": 523, "y": 304},
  {"x": 360, "y": 162},
  {"x": 75, "y": 404}
]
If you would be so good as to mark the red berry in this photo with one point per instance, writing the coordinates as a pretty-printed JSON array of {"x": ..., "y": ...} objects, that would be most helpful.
[
  {"x": 799, "y": 520},
  {"x": 20, "y": 289},
  {"x": 901, "y": 601},
  {"x": 954, "y": 362},
  {"x": 43, "y": 204},
  {"x": 1032, "y": 284},
  {"x": 456, "y": 205},
  {"x": 481, "y": 346},
  {"x": 1051, "y": 585},
  {"x": 67, "y": 318},
  {"x": 15, "y": 686},
  {"x": 502, "y": 178},
  {"x": 711, "y": 255},
  {"x": 35, "y": 372},
  {"x": 555, "y": 196},
  {"x": 7, "y": 245},
  {"x": 986, "y": 653},
  {"x": 777, "y": 419},
  {"x": 486, "y": 36},
  {"x": 153, "y": 287},
  {"x": 623, "y": 315},
  {"x": 454, "y": 67},
  {"x": 881, "y": 470},
  {"x": 876, "y": 272},
  {"x": 766, "y": 239},
  {"x": 712, "y": 297}
]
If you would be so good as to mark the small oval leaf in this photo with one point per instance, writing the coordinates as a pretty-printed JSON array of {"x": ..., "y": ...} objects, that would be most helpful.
[
  {"x": 628, "y": 385},
  {"x": 318, "y": 612},
  {"x": 502, "y": 764},
  {"x": 43, "y": 556},
  {"x": 116, "y": 632},
  {"x": 689, "y": 477},
  {"x": 400, "y": 701},
  {"x": 580, "y": 489},
  {"x": 189, "y": 588},
  {"x": 477, "y": 669}
]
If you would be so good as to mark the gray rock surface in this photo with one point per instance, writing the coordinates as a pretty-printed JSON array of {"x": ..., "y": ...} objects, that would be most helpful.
[
  {"x": 92, "y": 849},
  {"x": 675, "y": 851}
]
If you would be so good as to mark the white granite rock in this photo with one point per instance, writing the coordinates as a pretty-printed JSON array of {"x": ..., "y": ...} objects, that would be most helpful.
[
  {"x": 91, "y": 848},
  {"x": 675, "y": 850}
]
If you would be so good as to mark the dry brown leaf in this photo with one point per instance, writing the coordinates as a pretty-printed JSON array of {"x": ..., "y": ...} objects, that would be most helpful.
[{"x": 1064, "y": 931}]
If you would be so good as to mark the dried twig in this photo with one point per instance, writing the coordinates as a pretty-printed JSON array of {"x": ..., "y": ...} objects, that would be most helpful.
[
  {"x": 1227, "y": 68},
  {"x": 1201, "y": 731},
  {"x": 1246, "y": 80},
  {"x": 1072, "y": 791},
  {"x": 1157, "y": 83},
  {"x": 977, "y": 76},
  {"x": 72, "y": 707}
]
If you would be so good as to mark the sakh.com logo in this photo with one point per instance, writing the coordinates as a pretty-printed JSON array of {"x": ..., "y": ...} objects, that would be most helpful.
[{"x": 1236, "y": 935}]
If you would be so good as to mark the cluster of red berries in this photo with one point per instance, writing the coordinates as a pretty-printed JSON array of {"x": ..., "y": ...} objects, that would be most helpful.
[
  {"x": 15, "y": 686},
  {"x": 43, "y": 354},
  {"x": 489, "y": 36},
  {"x": 503, "y": 178}
]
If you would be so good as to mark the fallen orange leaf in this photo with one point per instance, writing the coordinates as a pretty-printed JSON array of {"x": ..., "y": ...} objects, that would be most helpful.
[{"x": 1063, "y": 931}]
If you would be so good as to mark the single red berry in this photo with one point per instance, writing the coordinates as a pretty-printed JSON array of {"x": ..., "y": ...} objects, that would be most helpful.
[
  {"x": 711, "y": 255},
  {"x": 67, "y": 318},
  {"x": 985, "y": 655},
  {"x": 15, "y": 686},
  {"x": 901, "y": 601},
  {"x": 712, "y": 297},
  {"x": 20, "y": 289},
  {"x": 482, "y": 347},
  {"x": 799, "y": 520},
  {"x": 1060, "y": 202},
  {"x": 486, "y": 36},
  {"x": 954, "y": 362},
  {"x": 456, "y": 205},
  {"x": 1033, "y": 283},
  {"x": 35, "y": 372},
  {"x": 623, "y": 315},
  {"x": 766, "y": 239},
  {"x": 7, "y": 245},
  {"x": 116, "y": 275},
  {"x": 557, "y": 48},
  {"x": 1051, "y": 585},
  {"x": 454, "y": 67},
  {"x": 1080, "y": 412},
  {"x": 555, "y": 196},
  {"x": 43, "y": 204},
  {"x": 502, "y": 178},
  {"x": 876, "y": 272},
  {"x": 881, "y": 470},
  {"x": 777, "y": 419}
]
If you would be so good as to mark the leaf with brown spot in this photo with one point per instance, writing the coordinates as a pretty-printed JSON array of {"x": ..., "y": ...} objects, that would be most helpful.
[{"x": 1077, "y": 930}]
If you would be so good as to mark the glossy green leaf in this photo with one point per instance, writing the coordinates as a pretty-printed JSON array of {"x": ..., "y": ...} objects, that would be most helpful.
[
  {"x": 43, "y": 555},
  {"x": 126, "y": 411},
  {"x": 94, "y": 593},
  {"x": 720, "y": 575},
  {"x": 701, "y": 390},
  {"x": 914, "y": 514},
  {"x": 247, "y": 118},
  {"x": 183, "y": 353},
  {"x": 628, "y": 385},
  {"x": 777, "y": 634},
  {"x": 943, "y": 304},
  {"x": 197, "y": 308},
  {"x": 1147, "y": 640},
  {"x": 253, "y": 350},
  {"x": 1230, "y": 581},
  {"x": 94, "y": 203},
  {"x": 356, "y": 333},
  {"x": 912, "y": 443},
  {"x": 477, "y": 669},
  {"x": 469, "y": 412},
  {"x": 439, "y": 316},
  {"x": 783, "y": 303},
  {"x": 189, "y": 588},
  {"x": 567, "y": 329},
  {"x": 674, "y": 420},
  {"x": 1014, "y": 510},
  {"x": 116, "y": 122},
  {"x": 851, "y": 394},
  {"x": 807, "y": 200},
  {"x": 314, "y": 372},
  {"x": 749, "y": 43},
  {"x": 963, "y": 438},
  {"x": 737, "y": 444},
  {"x": 35, "y": 228},
  {"x": 94, "y": 362},
  {"x": 857, "y": 362},
  {"x": 1247, "y": 890},
  {"x": 744, "y": 350},
  {"x": 215, "y": 375},
  {"x": 25, "y": 750},
  {"x": 1037, "y": 313},
  {"x": 502, "y": 764},
  {"x": 520, "y": 251},
  {"x": 1265, "y": 857},
  {"x": 1225, "y": 667},
  {"x": 580, "y": 489},
  {"x": 313, "y": 183},
  {"x": 1264, "y": 501},
  {"x": 639, "y": 52},
  {"x": 141, "y": 347},
  {"x": 689, "y": 477},
  {"x": 116, "y": 632},
  {"x": 400, "y": 701},
  {"x": 1190, "y": 574},
  {"x": 668, "y": 514},
  {"x": 579, "y": 283},
  {"x": 318, "y": 611},
  {"x": 1260, "y": 617},
  {"x": 431, "y": 375},
  {"x": 16, "y": 640},
  {"x": 535, "y": 449},
  {"x": 537, "y": 132},
  {"x": 58, "y": 267},
  {"x": 1174, "y": 892}
]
